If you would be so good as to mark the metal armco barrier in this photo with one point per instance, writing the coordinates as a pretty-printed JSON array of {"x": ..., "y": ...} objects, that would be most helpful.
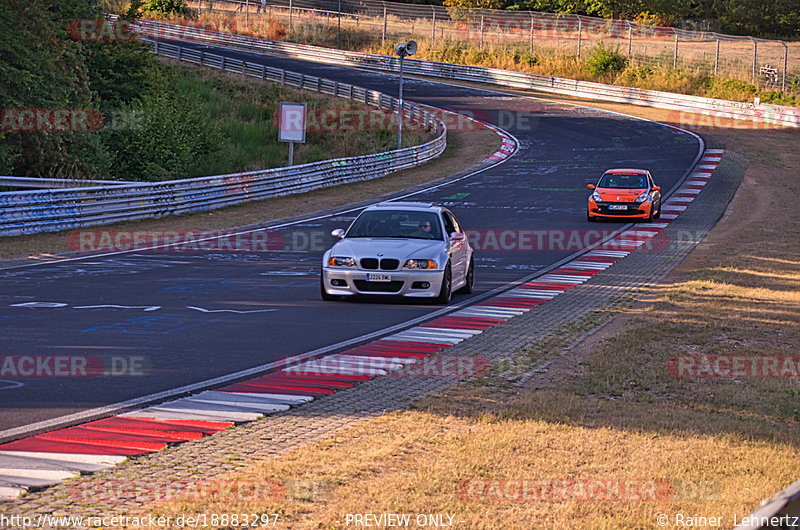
[
  {"x": 28, "y": 212},
  {"x": 762, "y": 113}
]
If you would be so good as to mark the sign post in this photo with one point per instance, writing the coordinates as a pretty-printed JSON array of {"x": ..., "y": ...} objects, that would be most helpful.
[{"x": 292, "y": 125}]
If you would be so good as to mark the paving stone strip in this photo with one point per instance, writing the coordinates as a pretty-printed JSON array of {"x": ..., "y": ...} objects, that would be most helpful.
[{"x": 561, "y": 320}]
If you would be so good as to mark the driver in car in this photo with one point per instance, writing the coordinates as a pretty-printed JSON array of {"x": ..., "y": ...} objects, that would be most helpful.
[{"x": 423, "y": 231}]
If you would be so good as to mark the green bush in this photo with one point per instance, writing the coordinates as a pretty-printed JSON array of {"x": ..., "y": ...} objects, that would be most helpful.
[
  {"x": 165, "y": 7},
  {"x": 603, "y": 60}
]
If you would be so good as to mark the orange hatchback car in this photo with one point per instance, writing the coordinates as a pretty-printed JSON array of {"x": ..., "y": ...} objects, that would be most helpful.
[{"x": 625, "y": 193}]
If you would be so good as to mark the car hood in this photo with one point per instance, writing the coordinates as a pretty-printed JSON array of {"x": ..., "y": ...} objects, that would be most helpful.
[
  {"x": 402, "y": 249},
  {"x": 610, "y": 195}
]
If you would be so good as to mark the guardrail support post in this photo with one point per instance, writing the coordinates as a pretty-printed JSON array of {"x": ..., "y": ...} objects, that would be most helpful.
[
  {"x": 223, "y": 62},
  {"x": 263, "y": 72},
  {"x": 179, "y": 52},
  {"x": 302, "y": 78},
  {"x": 336, "y": 89}
]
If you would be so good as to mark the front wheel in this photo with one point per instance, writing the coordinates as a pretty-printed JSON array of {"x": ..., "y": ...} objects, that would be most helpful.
[
  {"x": 467, "y": 288},
  {"x": 658, "y": 214},
  {"x": 446, "y": 291}
]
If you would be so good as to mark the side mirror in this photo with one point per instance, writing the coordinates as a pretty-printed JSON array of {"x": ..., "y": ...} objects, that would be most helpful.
[
  {"x": 590, "y": 186},
  {"x": 457, "y": 236},
  {"x": 656, "y": 188},
  {"x": 338, "y": 233}
]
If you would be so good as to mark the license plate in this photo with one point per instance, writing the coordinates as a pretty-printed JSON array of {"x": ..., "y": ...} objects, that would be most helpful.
[
  {"x": 378, "y": 277},
  {"x": 617, "y": 207}
]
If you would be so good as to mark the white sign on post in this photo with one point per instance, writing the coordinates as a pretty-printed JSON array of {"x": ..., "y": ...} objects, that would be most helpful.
[{"x": 292, "y": 125}]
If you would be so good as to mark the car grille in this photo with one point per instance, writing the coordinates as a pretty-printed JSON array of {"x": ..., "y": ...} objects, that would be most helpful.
[
  {"x": 369, "y": 263},
  {"x": 387, "y": 264},
  {"x": 378, "y": 287}
]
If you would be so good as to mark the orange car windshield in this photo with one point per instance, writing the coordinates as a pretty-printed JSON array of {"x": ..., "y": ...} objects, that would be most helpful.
[{"x": 623, "y": 180}]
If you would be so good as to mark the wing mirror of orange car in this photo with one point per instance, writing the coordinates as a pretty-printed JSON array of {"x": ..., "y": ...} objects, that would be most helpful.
[
  {"x": 656, "y": 188},
  {"x": 590, "y": 186},
  {"x": 457, "y": 236}
]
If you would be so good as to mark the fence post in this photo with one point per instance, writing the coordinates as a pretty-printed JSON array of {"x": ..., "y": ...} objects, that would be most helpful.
[
  {"x": 755, "y": 57},
  {"x": 675, "y": 60},
  {"x": 179, "y": 52},
  {"x": 785, "y": 65},
  {"x": 630, "y": 38},
  {"x": 716, "y": 58},
  {"x": 580, "y": 31},
  {"x": 339, "y": 23},
  {"x": 433, "y": 31},
  {"x": 481, "y": 31},
  {"x": 290, "y": 15},
  {"x": 263, "y": 72},
  {"x": 530, "y": 47},
  {"x": 223, "y": 62},
  {"x": 383, "y": 36}
]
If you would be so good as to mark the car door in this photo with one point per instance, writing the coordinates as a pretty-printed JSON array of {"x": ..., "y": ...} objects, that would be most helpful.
[{"x": 457, "y": 247}]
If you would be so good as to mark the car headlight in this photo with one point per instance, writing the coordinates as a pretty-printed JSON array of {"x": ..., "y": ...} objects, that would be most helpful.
[
  {"x": 420, "y": 264},
  {"x": 596, "y": 197},
  {"x": 339, "y": 261},
  {"x": 644, "y": 197}
]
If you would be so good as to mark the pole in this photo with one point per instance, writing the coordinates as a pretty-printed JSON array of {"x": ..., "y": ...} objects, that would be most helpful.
[
  {"x": 481, "y": 31},
  {"x": 530, "y": 47},
  {"x": 400, "y": 111},
  {"x": 247, "y": 13},
  {"x": 580, "y": 31},
  {"x": 291, "y": 153},
  {"x": 675, "y": 60},
  {"x": 716, "y": 59},
  {"x": 630, "y": 38},
  {"x": 433, "y": 32},
  {"x": 339, "y": 23},
  {"x": 290, "y": 15},
  {"x": 785, "y": 65},
  {"x": 755, "y": 58},
  {"x": 383, "y": 37}
]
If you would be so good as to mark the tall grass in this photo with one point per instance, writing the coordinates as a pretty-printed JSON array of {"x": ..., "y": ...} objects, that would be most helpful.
[{"x": 244, "y": 111}]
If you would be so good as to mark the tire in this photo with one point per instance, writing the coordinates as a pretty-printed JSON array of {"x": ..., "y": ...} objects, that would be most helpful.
[
  {"x": 590, "y": 218},
  {"x": 325, "y": 296},
  {"x": 446, "y": 292},
  {"x": 467, "y": 288},
  {"x": 658, "y": 215}
]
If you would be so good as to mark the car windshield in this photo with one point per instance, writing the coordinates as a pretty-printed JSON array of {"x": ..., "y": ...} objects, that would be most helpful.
[
  {"x": 624, "y": 180},
  {"x": 396, "y": 224}
]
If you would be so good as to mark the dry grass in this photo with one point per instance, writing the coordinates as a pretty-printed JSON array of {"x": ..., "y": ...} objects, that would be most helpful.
[{"x": 609, "y": 409}]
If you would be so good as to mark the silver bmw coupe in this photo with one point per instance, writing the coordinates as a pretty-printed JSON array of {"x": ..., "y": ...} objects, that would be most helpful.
[{"x": 407, "y": 249}]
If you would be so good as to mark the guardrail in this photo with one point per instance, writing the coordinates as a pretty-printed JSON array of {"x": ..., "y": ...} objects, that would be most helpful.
[
  {"x": 761, "y": 113},
  {"x": 27, "y": 212}
]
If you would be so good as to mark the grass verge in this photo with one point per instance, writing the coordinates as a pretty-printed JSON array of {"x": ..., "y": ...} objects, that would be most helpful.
[
  {"x": 608, "y": 411},
  {"x": 545, "y": 58}
]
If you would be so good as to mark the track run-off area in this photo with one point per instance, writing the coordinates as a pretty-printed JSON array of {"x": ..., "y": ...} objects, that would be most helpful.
[{"x": 94, "y": 331}]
